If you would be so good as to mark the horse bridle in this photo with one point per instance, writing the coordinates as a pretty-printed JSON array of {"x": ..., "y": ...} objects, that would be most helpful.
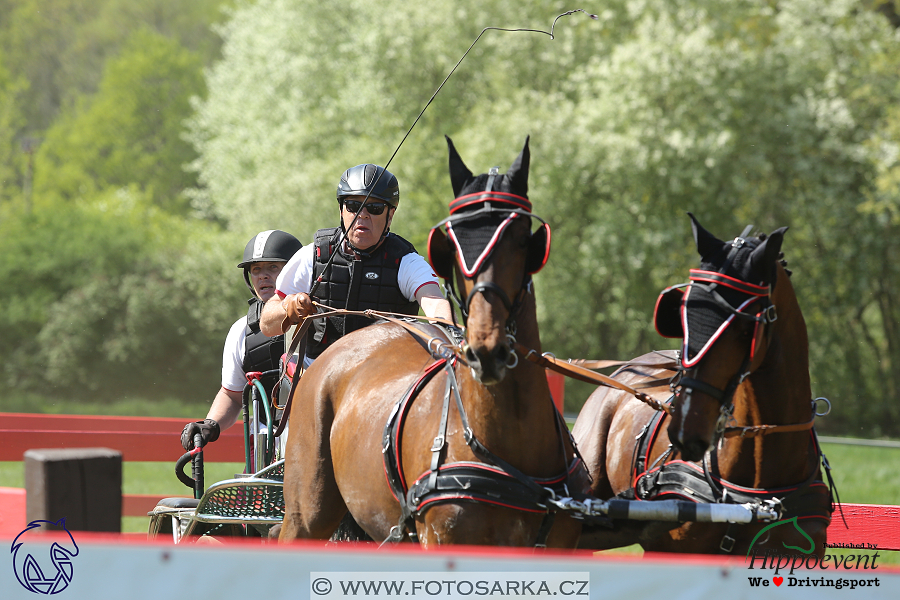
[
  {"x": 513, "y": 307},
  {"x": 763, "y": 318}
]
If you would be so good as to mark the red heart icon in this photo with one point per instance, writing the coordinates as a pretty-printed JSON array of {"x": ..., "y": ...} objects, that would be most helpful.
[{"x": 778, "y": 580}]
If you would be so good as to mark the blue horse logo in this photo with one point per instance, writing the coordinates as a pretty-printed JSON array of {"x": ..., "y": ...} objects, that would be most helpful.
[{"x": 28, "y": 570}]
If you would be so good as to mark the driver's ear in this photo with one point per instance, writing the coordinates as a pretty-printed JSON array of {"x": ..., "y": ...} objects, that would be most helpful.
[{"x": 391, "y": 212}]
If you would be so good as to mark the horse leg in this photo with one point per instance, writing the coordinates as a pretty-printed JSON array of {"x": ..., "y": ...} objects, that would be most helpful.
[
  {"x": 313, "y": 504},
  {"x": 477, "y": 525},
  {"x": 591, "y": 431}
]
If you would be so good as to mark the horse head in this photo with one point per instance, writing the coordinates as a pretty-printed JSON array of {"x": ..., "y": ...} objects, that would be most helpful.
[
  {"x": 487, "y": 251},
  {"x": 725, "y": 316}
]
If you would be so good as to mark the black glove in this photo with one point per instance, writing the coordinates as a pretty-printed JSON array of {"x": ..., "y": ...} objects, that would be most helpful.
[{"x": 208, "y": 430}]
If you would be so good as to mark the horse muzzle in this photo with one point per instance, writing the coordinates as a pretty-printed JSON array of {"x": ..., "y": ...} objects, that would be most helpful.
[{"x": 489, "y": 365}]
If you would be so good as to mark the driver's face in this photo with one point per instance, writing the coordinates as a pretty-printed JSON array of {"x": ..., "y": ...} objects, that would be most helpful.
[{"x": 367, "y": 230}]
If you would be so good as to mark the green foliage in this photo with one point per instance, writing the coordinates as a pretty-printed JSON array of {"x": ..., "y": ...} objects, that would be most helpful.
[
  {"x": 107, "y": 269},
  {"x": 58, "y": 50},
  {"x": 11, "y": 120},
  {"x": 61, "y": 46},
  {"x": 107, "y": 300},
  {"x": 130, "y": 132}
]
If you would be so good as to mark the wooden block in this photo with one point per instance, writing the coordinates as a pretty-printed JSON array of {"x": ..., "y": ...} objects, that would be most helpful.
[{"x": 82, "y": 485}]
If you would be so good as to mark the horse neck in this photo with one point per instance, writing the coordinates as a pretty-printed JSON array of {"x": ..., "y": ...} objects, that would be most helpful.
[
  {"x": 514, "y": 418},
  {"x": 777, "y": 393}
]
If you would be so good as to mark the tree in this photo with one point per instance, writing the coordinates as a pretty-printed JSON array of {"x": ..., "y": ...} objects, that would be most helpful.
[
  {"x": 130, "y": 131},
  {"x": 105, "y": 301}
]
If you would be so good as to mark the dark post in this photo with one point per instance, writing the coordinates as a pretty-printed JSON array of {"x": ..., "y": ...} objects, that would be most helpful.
[{"x": 82, "y": 485}]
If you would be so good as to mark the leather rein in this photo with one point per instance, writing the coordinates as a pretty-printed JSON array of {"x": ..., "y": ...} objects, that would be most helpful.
[{"x": 577, "y": 369}]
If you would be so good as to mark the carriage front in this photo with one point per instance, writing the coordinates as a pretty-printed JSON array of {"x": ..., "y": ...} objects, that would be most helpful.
[{"x": 251, "y": 503}]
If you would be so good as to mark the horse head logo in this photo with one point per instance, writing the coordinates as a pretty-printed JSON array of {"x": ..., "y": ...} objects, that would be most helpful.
[
  {"x": 793, "y": 521},
  {"x": 46, "y": 580}
]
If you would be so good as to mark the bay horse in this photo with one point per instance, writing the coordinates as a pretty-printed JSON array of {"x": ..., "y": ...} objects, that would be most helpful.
[
  {"x": 740, "y": 428},
  {"x": 420, "y": 439}
]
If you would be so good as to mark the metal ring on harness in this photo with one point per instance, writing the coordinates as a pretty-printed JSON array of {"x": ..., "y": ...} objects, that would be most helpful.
[
  {"x": 815, "y": 404},
  {"x": 440, "y": 349},
  {"x": 513, "y": 357}
]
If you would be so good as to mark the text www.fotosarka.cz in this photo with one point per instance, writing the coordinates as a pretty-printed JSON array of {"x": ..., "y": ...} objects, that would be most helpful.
[{"x": 414, "y": 586}]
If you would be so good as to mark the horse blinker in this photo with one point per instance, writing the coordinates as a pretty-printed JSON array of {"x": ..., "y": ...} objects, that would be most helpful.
[{"x": 667, "y": 313}]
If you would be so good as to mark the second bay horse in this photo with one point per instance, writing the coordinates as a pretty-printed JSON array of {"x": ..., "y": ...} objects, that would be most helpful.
[
  {"x": 740, "y": 428},
  {"x": 420, "y": 439}
]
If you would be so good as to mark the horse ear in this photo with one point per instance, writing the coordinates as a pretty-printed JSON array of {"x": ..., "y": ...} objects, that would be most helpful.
[
  {"x": 764, "y": 256},
  {"x": 518, "y": 172},
  {"x": 706, "y": 242},
  {"x": 460, "y": 174},
  {"x": 440, "y": 253}
]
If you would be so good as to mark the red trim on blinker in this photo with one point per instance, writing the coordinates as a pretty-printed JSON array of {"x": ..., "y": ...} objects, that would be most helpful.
[
  {"x": 478, "y": 197},
  {"x": 731, "y": 282}
]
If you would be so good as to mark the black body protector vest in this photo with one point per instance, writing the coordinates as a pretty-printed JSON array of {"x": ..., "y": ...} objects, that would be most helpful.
[
  {"x": 261, "y": 353},
  {"x": 369, "y": 282}
]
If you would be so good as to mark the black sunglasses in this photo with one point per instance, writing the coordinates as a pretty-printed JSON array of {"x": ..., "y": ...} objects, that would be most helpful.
[{"x": 374, "y": 208}]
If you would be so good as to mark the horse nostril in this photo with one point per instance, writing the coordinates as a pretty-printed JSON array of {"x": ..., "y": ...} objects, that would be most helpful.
[
  {"x": 502, "y": 353},
  {"x": 471, "y": 356}
]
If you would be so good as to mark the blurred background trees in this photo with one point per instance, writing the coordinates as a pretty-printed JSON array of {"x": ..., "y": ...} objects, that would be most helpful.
[{"x": 143, "y": 142}]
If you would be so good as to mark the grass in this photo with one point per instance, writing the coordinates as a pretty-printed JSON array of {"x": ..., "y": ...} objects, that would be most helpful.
[{"x": 165, "y": 407}]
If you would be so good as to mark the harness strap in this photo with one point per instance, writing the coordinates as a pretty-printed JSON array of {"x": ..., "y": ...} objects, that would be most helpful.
[
  {"x": 757, "y": 430},
  {"x": 608, "y": 364},
  {"x": 298, "y": 343},
  {"x": 582, "y": 374},
  {"x": 441, "y": 440},
  {"x": 494, "y": 481},
  {"x": 390, "y": 449}
]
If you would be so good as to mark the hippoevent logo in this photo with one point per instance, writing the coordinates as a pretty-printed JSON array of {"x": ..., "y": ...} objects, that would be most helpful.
[
  {"x": 36, "y": 571},
  {"x": 808, "y": 559}
]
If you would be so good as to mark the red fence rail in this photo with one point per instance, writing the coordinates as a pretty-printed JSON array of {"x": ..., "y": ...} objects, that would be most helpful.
[{"x": 137, "y": 438}]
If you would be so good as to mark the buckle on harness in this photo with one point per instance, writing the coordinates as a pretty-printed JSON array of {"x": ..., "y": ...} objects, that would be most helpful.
[
  {"x": 438, "y": 443},
  {"x": 727, "y": 544}
]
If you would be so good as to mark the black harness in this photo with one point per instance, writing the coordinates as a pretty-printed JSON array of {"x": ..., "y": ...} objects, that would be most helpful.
[
  {"x": 682, "y": 480},
  {"x": 493, "y": 481}
]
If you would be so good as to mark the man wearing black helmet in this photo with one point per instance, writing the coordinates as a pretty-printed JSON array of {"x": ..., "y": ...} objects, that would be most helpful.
[
  {"x": 371, "y": 268},
  {"x": 247, "y": 349}
]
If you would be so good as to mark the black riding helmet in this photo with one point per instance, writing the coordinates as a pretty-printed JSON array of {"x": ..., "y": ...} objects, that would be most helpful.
[
  {"x": 373, "y": 180},
  {"x": 268, "y": 246}
]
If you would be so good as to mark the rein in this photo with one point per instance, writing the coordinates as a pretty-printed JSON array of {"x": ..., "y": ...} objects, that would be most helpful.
[{"x": 582, "y": 374}]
